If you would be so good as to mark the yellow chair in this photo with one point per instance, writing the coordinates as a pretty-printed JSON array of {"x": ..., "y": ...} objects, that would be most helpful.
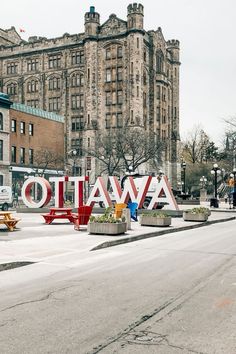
[{"x": 118, "y": 209}]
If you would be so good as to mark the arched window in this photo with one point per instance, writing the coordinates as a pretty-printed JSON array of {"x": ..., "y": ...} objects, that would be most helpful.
[
  {"x": 32, "y": 86},
  {"x": 12, "y": 88},
  {"x": 159, "y": 62},
  {"x": 54, "y": 83},
  {"x": 77, "y": 80}
]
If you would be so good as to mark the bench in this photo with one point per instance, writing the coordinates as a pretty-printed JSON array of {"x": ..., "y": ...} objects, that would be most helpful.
[
  {"x": 10, "y": 223},
  {"x": 49, "y": 218}
]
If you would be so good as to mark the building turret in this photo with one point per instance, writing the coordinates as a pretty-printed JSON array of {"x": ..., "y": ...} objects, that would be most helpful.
[
  {"x": 135, "y": 16},
  {"x": 92, "y": 22},
  {"x": 173, "y": 48}
]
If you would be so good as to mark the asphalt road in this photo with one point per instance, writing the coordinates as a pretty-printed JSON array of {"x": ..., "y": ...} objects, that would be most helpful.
[{"x": 171, "y": 294}]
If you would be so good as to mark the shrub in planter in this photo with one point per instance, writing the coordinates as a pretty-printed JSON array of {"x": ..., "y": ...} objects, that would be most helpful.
[
  {"x": 155, "y": 219},
  {"x": 106, "y": 224},
  {"x": 196, "y": 214}
]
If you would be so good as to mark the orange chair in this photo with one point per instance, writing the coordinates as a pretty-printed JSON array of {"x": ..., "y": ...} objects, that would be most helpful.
[
  {"x": 118, "y": 209},
  {"x": 84, "y": 213}
]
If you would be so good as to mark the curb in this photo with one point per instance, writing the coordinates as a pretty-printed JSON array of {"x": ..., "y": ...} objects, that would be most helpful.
[{"x": 158, "y": 233}]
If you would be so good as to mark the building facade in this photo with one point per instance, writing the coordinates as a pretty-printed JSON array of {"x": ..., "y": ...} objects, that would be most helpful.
[
  {"x": 112, "y": 74},
  {"x": 31, "y": 143}
]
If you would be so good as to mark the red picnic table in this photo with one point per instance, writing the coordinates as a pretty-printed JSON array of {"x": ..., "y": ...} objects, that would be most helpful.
[{"x": 60, "y": 213}]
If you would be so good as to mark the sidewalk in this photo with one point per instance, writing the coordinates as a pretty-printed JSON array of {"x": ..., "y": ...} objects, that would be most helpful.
[{"x": 35, "y": 241}]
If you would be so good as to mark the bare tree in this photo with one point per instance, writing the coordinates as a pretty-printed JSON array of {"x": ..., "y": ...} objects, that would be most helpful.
[
  {"x": 45, "y": 159},
  {"x": 118, "y": 150}
]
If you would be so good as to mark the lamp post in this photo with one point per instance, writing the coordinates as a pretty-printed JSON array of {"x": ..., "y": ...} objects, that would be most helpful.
[
  {"x": 203, "y": 194},
  {"x": 215, "y": 171},
  {"x": 183, "y": 165},
  {"x": 233, "y": 175}
]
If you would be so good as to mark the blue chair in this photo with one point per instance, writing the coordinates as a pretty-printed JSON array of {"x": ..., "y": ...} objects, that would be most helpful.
[{"x": 133, "y": 207}]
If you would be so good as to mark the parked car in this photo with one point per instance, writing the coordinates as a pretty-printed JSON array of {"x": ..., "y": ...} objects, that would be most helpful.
[{"x": 6, "y": 199}]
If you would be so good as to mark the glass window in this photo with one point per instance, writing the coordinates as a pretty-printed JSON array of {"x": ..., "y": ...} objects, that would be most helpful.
[
  {"x": 159, "y": 62},
  {"x": 77, "y": 123},
  {"x": 13, "y": 154},
  {"x": 119, "y": 52},
  {"x": 31, "y": 129},
  {"x": 89, "y": 163},
  {"x": 119, "y": 73},
  {"x": 32, "y": 64},
  {"x": 108, "y": 75},
  {"x": 12, "y": 89},
  {"x": 32, "y": 86},
  {"x": 119, "y": 97},
  {"x": 13, "y": 125},
  {"x": 77, "y": 57},
  {"x": 33, "y": 103},
  {"x": 77, "y": 80},
  {"x": 54, "y": 61},
  {"x": 12, "y": 68},
  {"x": 22, "y": 127},
  {"x": 108, "y": 120},
  {"x": 1, "y": 121},
  {"x": 31, "y": 156},
  {"x": 54, "y": 83},
  {"x": 119, "y": 120},
  {"x": 22, "y": 155},
  {"x": 54, "y": 104},
  {"x": 77, "y": 101},
  {"x": 108, "y": 53}
]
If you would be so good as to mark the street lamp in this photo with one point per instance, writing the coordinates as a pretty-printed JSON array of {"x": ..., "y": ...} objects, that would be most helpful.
[
  {"x": 160, "y": 174},
  {"x": 73, "y": 154},
  {"x": 233, "y": 175},
  {"x": 215, "y": 171},
  {"x": 183, "y": 165},
  {"x": 203, "y": 181}
]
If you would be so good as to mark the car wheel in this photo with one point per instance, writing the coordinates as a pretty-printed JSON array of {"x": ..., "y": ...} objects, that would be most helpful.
[{"x": 5, "y": 207}]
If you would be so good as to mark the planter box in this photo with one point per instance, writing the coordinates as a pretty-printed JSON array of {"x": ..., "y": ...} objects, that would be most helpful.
[
  {"x": 107, "y": 228},
  {"x": 148, "y": 220},
  {"x": 195, "y": 217}
]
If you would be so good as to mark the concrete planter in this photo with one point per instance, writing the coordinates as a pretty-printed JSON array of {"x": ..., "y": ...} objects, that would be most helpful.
[
  {"x": 107, "y": 228},
  {"x": 149, "y": 220},
  {"x": 195, "y": 217}
]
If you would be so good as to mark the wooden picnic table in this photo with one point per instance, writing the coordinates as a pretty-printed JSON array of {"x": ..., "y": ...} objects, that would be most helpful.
[
  {"x": 59, "y": 213},
  {"x": 7, "y": 219}
]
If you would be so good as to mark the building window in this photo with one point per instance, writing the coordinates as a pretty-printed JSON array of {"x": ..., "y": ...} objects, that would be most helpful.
[
  {"x": 77, "y": 101},
  {"x": 88, "y": 163},
  {"x": 12, "y": 89},
  {"x": 31, "y": 156},
  {"x": 132, "y": 117},
  {"x": 31, "y": 129},
  {"x": 108, "y": 75},
  {"x": 108, "y": 121},
  {"x": 32, "y": 86},
  {"x": 138, "y": 43},
  {"x": 1, "y": 121},
  {"x": 22, "y": 127},
  {"x": 119, "y": 97},
  {"x": 158, "y": 92},
  {"x": 32, "y": 65},
  {"x": 159, "y": 62},
  {"x": 88, "y": 142},
  {"x": 108, "y": 53},
  {"x": 77, "y": 57},
  {"x": 144, "y": 55},
  {"x": 144, "y": 99},
  {"x": 119, "y": 51},
  {"x": 119, "y": 120},
  {"x": 78, "y": 145},
  {"x": 13, "y": 125},
  {"x": 77, "y": 123},
  {"x": 54, "y": 83},
  {"x": 108, "y": 98},
  {"x": 54, "y": 61},
  {"x": 13, "y": 154},
  {"x": 77, "y": 80},
  {"x": 22, "y": 155},
  {"x": 33, "y": 103},
  {"x": 163, "y": 94},
  {"x": 1, "y": 150},
  {"x": 12, "y": 68},
  {"x": 54, "y": 104},
  {"x": 158, "y": 114},
  {"x": 119, "y": 74}
]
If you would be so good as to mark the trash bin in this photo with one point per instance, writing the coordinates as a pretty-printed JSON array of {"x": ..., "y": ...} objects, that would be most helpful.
[{"x": 214, "y": 203}]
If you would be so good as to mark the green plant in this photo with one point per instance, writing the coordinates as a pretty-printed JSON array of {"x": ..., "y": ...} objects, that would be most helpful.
[
  {"x": 199, "y": 210},
  {"x": 109, "y": 219}
]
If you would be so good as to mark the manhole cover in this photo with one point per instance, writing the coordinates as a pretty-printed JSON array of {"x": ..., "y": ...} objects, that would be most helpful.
[
  {"x": 12, "y": 265},
  {"x": 145, "y": 337}
]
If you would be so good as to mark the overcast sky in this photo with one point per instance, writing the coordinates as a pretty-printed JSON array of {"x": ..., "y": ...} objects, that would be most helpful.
[{"x": 205, "y": 29}]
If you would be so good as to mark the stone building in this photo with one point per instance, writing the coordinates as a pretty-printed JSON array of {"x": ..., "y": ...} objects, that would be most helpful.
[{"x": 112, "y": 74}]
